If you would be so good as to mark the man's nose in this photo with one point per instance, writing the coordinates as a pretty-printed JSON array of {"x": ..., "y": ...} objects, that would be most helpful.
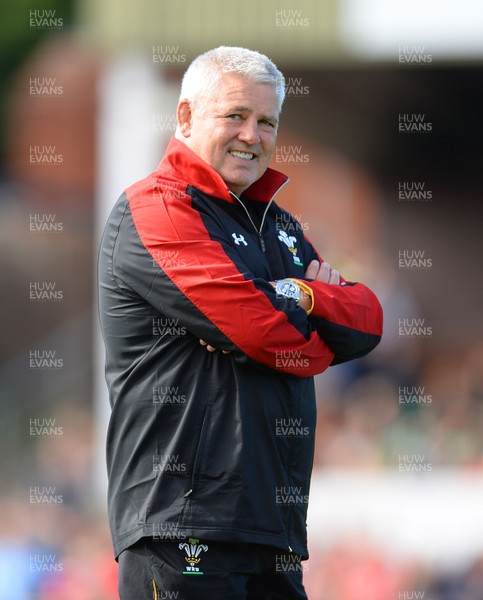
[{"x": 249, "y": 132}]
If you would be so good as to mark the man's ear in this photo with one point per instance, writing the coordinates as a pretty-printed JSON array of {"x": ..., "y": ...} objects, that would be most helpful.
[{"x": 185, "y": 117}]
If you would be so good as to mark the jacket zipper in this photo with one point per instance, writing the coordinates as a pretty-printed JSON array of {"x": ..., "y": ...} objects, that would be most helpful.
[
  {"x": 263, "y": 247},
  {"x": 260, "y": 231},
  {"x": 198, "y": 453}
]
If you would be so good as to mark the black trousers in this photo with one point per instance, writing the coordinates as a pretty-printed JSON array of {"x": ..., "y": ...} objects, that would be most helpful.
[{"x": 197, "y": 570}]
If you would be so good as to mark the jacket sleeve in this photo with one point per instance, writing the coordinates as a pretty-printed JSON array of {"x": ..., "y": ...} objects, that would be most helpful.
[
  {"x": 348, "y": 316},
  {"x": 164, "y": 253}
]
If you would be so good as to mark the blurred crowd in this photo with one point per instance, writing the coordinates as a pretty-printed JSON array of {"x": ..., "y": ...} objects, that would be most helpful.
[
  {"x": 377, "y": 418},
  {"x": 54, "y": 537}
]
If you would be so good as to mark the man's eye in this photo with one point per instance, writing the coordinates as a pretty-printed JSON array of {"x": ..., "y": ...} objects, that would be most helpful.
[
  {"x": 234, "y": 116},
  {"x": 265, "y": 122}
]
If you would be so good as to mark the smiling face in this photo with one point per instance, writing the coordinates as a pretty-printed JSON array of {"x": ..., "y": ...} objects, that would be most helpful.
[{"x": 236, "y": 131}]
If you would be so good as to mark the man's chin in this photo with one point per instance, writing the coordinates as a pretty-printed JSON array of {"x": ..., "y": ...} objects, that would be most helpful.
[
  {"x": 242, "y": 183},
  {"x": 239, "y": 187}
]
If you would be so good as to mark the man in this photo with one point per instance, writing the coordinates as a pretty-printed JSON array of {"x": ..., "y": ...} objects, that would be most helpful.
[{"x": 216, "y": 313}]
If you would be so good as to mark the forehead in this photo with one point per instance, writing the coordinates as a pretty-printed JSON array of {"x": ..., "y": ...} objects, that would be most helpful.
[{"x": 241, "y": 91}]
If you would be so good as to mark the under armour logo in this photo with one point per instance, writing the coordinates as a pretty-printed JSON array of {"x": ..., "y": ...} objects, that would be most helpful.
[{"x": 239, "y": 239}]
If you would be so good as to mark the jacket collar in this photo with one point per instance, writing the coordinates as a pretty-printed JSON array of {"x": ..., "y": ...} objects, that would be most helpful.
[{"x": 183, "y": 163}]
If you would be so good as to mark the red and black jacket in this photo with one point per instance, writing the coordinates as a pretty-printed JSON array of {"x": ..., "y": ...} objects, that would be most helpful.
[{"x": 212, "y": 445}]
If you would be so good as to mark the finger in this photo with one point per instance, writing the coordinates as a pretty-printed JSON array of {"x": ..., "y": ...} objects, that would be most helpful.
[
  {"x": 312, "y": 269},
  {"x": 334, "y": 277},
  {"x": 208, "y": 347},
  {"x": 324, "y": 272},
  {"x": 212, "y": 348}
]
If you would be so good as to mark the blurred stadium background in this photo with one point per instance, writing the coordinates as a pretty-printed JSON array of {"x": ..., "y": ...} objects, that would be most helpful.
[{"x": 382, "y": 137}]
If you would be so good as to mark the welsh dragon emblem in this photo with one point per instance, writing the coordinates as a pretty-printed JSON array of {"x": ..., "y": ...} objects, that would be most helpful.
[
  {"x": 193, "y": 550},
  {"x": 289, "y": 241}
]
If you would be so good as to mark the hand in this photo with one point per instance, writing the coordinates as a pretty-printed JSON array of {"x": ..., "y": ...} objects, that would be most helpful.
[
  {"x": 322, "y": 272},
  {"x": 212, "y": 348}
]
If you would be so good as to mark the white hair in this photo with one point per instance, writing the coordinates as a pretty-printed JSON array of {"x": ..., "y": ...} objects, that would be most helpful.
[{"x": 202, "y": 77}]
